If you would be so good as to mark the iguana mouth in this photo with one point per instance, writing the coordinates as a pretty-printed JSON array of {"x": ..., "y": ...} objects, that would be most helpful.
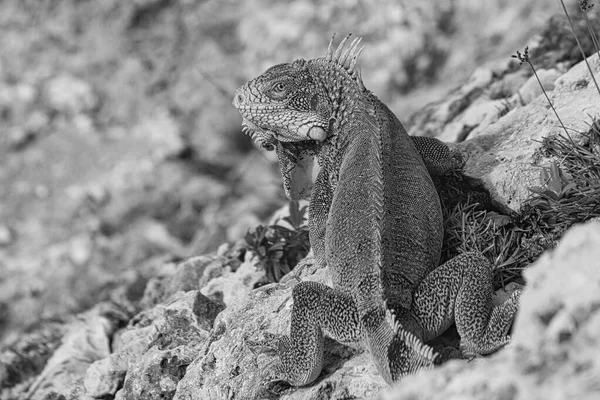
[{"x": 263, "y": 137}]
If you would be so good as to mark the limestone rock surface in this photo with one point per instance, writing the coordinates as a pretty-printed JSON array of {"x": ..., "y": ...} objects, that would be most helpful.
[{"x": 556, "y": 343}]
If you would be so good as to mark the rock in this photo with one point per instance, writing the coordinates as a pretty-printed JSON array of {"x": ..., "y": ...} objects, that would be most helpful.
[
  {"x": 232, "y": 286},
  {"x": 87, "y": 339},
  {"x": 509, "y": 84},
  {"x": 70, "y": 95},
  {"x": 188, "y": 274},
  {"x": 431, "y": 120},
  {"x": 7, "y": 235},
  {"x": 206, "y": 311},
  {"x": 185, "y": 277},
  {"x": 555, "y": 345},
  {"x": 501, "y": 156},
  {"x": 26, "y": 357},
  {"x": 532, "y": 89},
  {"x": 229, "y": 369},
  {"x": 151, "y": 354},
  {"x": 102, "y": 378},
  {"x": 156, "y": 375},
  {"x": 81, "y": 249},
  {"x": 105, "y": 376},
  {"x": 476, "y": 117}
]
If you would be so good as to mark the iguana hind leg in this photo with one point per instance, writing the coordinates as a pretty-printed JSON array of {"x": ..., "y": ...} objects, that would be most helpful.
[
  {"x": 461, "y": 291},
  {"x": 317, "y": 307}
]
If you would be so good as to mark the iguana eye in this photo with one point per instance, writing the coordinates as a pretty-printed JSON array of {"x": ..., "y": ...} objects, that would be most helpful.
[
  {"x": 268, "y": 146},
  {"x": 278, "y": 90},
  {"x": 279, "y": 87}
]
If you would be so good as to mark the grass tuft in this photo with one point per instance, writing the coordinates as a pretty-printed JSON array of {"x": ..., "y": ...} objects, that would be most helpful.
[
  {"x": 569, "y": 193},
  {"x": 570, "y": 190}
]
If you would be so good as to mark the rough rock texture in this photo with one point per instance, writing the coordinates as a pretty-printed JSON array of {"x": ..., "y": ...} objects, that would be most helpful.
[
  {"x": 174, "y": 341},
  {"x": 184, "y": 276},
  {"x": 555, "y": 350},
  {"x": 87, "y": 339},
  {"x": 228, "y": 368},
  {"x": 230, "y": 285},
  {"x": 502, "y": 155},
  {"x": 24, "y": 360},
  {"x": 501, "y": 145}
]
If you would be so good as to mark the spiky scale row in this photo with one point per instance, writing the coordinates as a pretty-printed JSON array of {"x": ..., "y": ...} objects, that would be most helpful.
[{"x": 347, "y": 57}]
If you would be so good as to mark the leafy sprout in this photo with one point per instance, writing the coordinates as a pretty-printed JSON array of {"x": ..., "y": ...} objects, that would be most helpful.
[{"x": 279, "y": 247}]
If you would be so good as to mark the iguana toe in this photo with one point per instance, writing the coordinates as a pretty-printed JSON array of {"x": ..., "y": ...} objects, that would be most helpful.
[{"x": 269, "y": 343}]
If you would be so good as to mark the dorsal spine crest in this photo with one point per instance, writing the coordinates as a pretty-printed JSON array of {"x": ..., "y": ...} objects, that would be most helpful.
[{"x": 347, "y": 57}]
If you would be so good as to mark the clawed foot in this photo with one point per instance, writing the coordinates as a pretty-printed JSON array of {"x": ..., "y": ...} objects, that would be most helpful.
[
  {"x": 308, "y": 263},
  {"x": 447, "y": 353},
  {"x": 458, "y": 160},
  {"x": 269, "y": 343},
  {"x": 272, "y": 378}
]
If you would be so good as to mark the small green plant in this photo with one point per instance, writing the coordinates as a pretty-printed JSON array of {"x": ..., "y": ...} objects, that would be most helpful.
[
  {"x": 570, "y": 190},
  {"x": 278, "y": 247},
  {"x": 556, "y": 184}
]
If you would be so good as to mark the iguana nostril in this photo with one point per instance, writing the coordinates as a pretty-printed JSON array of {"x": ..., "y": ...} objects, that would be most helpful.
[{"x": 238, "y": 99}]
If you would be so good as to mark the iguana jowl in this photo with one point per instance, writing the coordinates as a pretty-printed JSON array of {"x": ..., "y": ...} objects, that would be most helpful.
[{"x": 375, "y": 220}]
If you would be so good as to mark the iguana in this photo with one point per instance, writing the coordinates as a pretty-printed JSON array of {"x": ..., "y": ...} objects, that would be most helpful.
[{"x": 375, "y": 221}]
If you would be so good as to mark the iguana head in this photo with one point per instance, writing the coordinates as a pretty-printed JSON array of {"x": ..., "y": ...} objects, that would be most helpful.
[
  {"x": 297, "y": 101},
  {"x": 283, "y": 104},
  {"x": 292, "y": 107}
]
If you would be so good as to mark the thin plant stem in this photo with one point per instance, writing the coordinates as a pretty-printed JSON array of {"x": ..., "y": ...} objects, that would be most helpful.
[
  {"x": 548, "y": 98},
  {"x": 592, "y": 33},
  {"x": 524, "y": 58},
  {"x": 579, "y": 45}
]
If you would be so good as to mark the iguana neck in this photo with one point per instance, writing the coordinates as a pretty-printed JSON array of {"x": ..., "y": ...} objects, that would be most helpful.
[{"x": 344, "y": 100}]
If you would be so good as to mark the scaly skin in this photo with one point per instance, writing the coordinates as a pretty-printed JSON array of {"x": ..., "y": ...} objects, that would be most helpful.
[{"x": 375, "y": 221}]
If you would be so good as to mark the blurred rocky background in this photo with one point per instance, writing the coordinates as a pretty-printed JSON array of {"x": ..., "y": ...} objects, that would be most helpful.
[{"x": 119, "y": 147}]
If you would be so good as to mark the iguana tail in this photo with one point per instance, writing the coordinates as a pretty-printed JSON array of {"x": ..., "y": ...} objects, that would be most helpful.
[{"x": 396, "y": 351}]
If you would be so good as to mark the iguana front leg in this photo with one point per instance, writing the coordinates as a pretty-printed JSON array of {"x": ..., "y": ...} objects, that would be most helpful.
[
  {"x": 461, "y": 291},
  {"x": 317, "y": 308},
  {"x": 320, "y": 203}
]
